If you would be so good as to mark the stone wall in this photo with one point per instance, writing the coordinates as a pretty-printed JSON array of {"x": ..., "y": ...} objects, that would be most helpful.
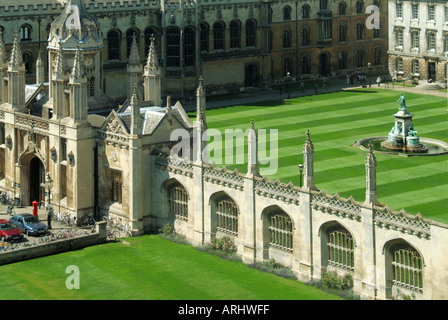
[{"x": 374, "y": 229}]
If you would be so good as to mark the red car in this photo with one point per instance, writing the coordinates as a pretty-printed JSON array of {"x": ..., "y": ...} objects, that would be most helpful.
[{"x": 9, "y": 231}]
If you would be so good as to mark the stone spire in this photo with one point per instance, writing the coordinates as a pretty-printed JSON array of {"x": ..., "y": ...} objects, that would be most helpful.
[
  {"x": 152, "y": 76},
  {"x": 136, "y": 122},
  {"x": 58, "y": 87},
  {"x": 77, "y": 70},
  {"x": 16, "y": 78},
  {"x": 152, "y": 63},
  {"x": 40, "y": 69},
  {"x": 371, "y": 194},
  {"x": 201, "y": 126},
  {"x": 134, "y": 68},
  {"x": 308, "y": 160},
  {"x": 16, "y": 54},
  {"x": 252, "y": 141}
]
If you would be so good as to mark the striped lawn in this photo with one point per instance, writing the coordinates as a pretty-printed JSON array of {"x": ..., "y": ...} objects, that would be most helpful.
[{"x": 336, "y": 121}]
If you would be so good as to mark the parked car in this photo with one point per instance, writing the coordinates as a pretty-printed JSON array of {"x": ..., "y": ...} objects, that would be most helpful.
[
  {"x": 9, "y": 231},
  {"x": 29, "y": 224}
]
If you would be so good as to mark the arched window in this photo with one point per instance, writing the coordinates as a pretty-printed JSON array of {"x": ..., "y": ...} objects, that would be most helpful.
[
  {"x": 281, "y": 231},
  {"x": 218, "y": 35},
  {"x": 113, "y": 44},
  {"x": 340, "y": 249},
  {"x": 116, "y": 184},
  {"x": 204, "y": 31},
  {"x": 359, "y": 6},
  {"x": 342, "y": 60},
  {"x": 407, "y": 268},
  {"x": 360, "y": 58},
  {"x": 227, "y": 216},
  {"x": 323, "y": 4},
  {"x": 235, "y": 34},
  {"x": 377, "y": 56},
  {"x": 342, "y": 32},
  {"x": 287, "y": 65},
  {"x": 129, "y": 38},
  {"x": 28, "y": 60},
  {"x": 189, "y": 47},
  {"x": 25, "y": 32},
  {"x": 251, "y": 33},
  {"x": 342, "y": 7},
  {"x": 287, "y": 43},
  {"x": 360, "y": 31},
  {"x": 305, "y": 11},
  {"x": 286, "y": 13},
  {"x": 305, "y": 36},
  {"x": 149, "y": 33},
  {"x": 306, "y": 65},
  {"x": 172, "y": 47},
  {"x": 178, "y": 202}
]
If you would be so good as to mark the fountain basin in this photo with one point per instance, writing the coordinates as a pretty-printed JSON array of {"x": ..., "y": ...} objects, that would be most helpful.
[{"x": 431, "y": 147}]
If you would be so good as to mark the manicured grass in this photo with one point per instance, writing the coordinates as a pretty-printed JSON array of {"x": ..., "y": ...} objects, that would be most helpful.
[
  {"x": 336, "y": 121},
  {"x": 147, "y": 267}
]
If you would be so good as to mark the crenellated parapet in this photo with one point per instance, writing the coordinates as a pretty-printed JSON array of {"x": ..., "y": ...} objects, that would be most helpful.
[{"x": 416, "y": 225}]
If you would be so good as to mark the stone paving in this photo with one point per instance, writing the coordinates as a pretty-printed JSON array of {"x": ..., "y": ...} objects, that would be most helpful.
[
  {"x": 253, "y": 95},
  {"x": 56, "y": 226}
]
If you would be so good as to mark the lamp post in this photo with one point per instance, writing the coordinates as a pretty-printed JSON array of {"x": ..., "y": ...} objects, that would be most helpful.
[
  {"x": 49, "y": 185},
  {"x": 300, "y": 171},
  {"x": 368, "y": 67},
  {"x": 288, "y": 80}
]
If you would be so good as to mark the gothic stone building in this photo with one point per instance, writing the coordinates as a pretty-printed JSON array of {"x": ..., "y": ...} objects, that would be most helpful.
[
  {"x": 418, "y": 40},
  {"x": 264, "y": 40},
  {"x": 125, "y": 166}
]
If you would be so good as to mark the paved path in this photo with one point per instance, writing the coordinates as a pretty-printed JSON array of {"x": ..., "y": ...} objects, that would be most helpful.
[{"x": 254, "y": 95}]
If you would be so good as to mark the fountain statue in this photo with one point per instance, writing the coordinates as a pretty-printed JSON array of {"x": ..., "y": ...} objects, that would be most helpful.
[{"x": 403, "y": 136}]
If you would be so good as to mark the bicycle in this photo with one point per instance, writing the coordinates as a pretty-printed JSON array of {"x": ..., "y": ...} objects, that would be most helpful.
[{"x": 87, "y": 221}]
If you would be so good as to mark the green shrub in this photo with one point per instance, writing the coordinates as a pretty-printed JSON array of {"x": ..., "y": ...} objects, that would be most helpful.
[
  {"x": 224, "y": 244},
  {"x": 274, "y": 267},
  {"x": 331, "y": 279}
]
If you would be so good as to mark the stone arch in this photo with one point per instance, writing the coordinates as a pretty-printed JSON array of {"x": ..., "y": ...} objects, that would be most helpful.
[
  {"x": 337, "y": 248},
  {"x": 224, "y": 215},
  {"x": 404, "y": 268},
  {"x": 278, "y": 234},
  {"x": 30, "y": 180}
]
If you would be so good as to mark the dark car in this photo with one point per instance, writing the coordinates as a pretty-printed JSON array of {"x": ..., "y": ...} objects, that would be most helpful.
[
  {"x": 29, "y": 224},
  {"x": 9, "y": 231}
]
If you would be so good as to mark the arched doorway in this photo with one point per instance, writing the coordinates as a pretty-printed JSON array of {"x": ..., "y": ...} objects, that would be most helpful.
[
  {"x": 37, "y": 180},
  {"x": 251, "y": 75},
  {"x": 324, "y": 61}
]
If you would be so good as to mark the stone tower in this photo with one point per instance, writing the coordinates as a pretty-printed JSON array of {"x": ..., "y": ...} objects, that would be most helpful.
[{"x": 72, "y": 28}]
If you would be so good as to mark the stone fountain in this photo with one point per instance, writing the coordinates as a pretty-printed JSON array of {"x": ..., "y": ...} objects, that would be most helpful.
[{"x": 403, "y": 136}]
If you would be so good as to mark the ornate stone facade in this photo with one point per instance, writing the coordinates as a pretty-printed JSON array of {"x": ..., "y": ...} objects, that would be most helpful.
[
  {"x": 124, "y": 166},
  {"x": 418, "y": 40},
  {"x": 264, "y": 39}
]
